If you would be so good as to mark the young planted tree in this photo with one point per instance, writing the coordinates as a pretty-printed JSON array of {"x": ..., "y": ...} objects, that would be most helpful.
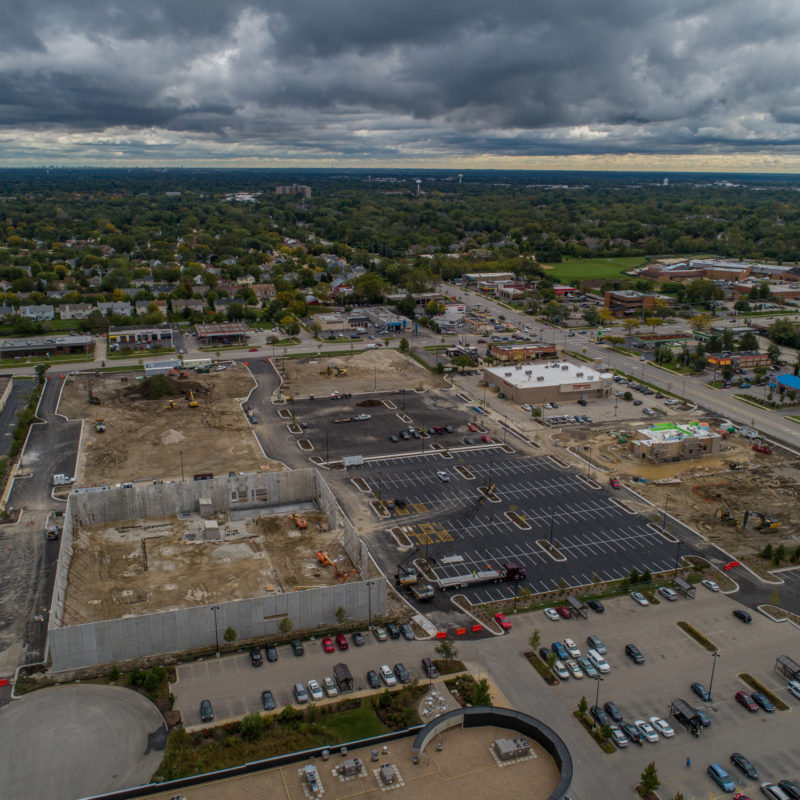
[{"x": 649, "y": 782}]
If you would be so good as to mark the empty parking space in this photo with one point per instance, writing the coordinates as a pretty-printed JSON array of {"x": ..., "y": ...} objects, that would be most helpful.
[{"x": 449, "y": 515}]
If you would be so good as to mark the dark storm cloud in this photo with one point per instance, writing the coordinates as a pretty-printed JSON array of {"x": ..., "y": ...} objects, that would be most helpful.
[{"x": 374, "y": 79}]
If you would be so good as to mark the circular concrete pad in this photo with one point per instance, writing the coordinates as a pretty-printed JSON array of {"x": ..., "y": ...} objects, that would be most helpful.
[{"x": 72, "y": 741}]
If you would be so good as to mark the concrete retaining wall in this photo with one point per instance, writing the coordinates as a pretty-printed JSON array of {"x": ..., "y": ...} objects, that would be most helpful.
[{"x": 109, "y": 641}]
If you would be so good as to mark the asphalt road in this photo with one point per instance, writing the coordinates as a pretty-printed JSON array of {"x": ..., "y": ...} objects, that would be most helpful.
[{"x": 20, "y": 391}]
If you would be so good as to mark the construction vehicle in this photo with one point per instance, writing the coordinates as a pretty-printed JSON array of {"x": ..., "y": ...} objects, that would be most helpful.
[
  {"x": 192, "y": 401},
  {"x": 759, "y": 447},
  {"x": 508, "y": 572},
  {"x": 725, "y": 516},
  {"x": 298, "y": 521},
  {"x": 51, "y": 533},
  {"x": 325, "y": 559},
  {"x": 422, "y": 592},
  {"x": 93, "y": 400},
  {"x": 60, "y": 479},
  {"x": 100, "y": 426},
  {"x": 340, "y": 371},
  {"x": 172, "y": 404},
  {"x": 347, "y": 575},
  {"x": 765, "y": 523},
  {"x": 405, "y": 576}
]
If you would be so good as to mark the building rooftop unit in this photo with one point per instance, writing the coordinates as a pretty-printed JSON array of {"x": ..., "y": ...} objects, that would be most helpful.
[
  {"x": 674, "y": 432},
  {"x": 45, "y": 341},
  {"x": 553, "y": 373}
]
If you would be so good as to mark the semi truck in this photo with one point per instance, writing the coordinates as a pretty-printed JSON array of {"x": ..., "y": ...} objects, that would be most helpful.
[
  {"x": 508, "y": 572},
  {"x": 408, "y": 579},
  {"x": 59, "y": 479}
]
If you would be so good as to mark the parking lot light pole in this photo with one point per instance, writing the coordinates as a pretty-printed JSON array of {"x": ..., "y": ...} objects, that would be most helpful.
[
  {"x": 664, "y": 520},
  {"x": 714, "y": 656},
  {"x": 678, "y": 557},
  {"x": 551, "y": 527},
  {"x": 597, "y": 697},
  {"x": 589, "y": 464},
  {"x": 216, "y": 629}
]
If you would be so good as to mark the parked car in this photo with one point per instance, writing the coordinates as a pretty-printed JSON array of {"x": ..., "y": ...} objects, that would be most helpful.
[
  {"x": 613, "y": 711},
  {"x": 596, "y": 606},
  {"x": 429, "y": 668},
  {"x": 647, "y": 730},
  {"x": 300, "y": 693},
  {"x": 615, "y": 484},
  {"x": 701, "y": 692},
  {"x": 618, "y": 737},
  {"x": 387, "y": 676},
  {"x": 640, "y": 598},
  {"x": 587, "y": 667},
  {"x": 634, "y": 653},
  {"x": 572, "y": 648},
  {"x": 267, "y": 700},
  {"x": 721, "y": 778},
  {"x": 560, "y": 670},
  {"x": 744, "y": 765},
  {"x": 393, "y": 438},
  {"x": 358, "y": 638},
  {"x": 600, "y": 715},
  {"x": 315, "y": 690},
  {"x": 502, "y": 620},
  {"x": 379, "y": 632},
  {"x": 487, "y": 439},
  {"x": 744, "y": 699},
  {"x": 574, "y": 668},
  {"x": 297, "y": 647},
  {"x": 393, "y": 630},
  {"x": 742, "y": 615},
  {"x": 256, "y": 659},
  {"x": 331, "y": 689},
  {"x": 544, "y": 653},
  {"x": 712, "y": 586},
  {"x": 705, "y": 720},
  {"x": 341, "y": 641},
  {"x": 596, "y": 643},
  {"x": 599, "y": 662},
  {"x": 763, "y": 701},
  {"x": 632, "y": 732},
  {"x": 552, "y": 614},
  {"x": 206, "y": 711},
  {"x": 791, "y": 788},
  {"x": 373, "y": 680},
  {"x": 407, "y": 632},
  {"x": 667, "y": 593},
  {"x": 327, "y": 644},
  {"x": 402, "y": 673},
  {"x": 662, "y": 727},
  {"x": 563, "y": 611},
  {"x": 272, "y": 653},
  {"x": 560, "y": 651}
]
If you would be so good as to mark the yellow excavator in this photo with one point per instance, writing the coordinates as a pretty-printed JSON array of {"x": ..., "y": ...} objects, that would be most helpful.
[{"x": 192, "y": 401}]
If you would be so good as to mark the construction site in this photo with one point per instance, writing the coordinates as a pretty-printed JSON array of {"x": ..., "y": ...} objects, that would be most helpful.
[
  {"x": 141, "y": 569},
  {"x": 191, "y": 423},
  {"x": 733, "y": 497},
  {"x": 372, "y": 370}
]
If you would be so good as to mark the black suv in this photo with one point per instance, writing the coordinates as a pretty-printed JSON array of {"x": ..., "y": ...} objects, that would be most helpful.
[
  {"x": 272, "y": 653},
  {"x": 402, "y": 673},
  {"x": 256, "y": 659},
  {"x": 742, "y": 615},
  {"x": 634, "y": 653},
  {"x": 600, "y": 715},
  {"x": 393, "y": 630},
  {"x": 297, "y": 647}
]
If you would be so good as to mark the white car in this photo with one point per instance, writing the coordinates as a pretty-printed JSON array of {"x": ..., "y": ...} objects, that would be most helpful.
[
  {"x": 526, "y": 407},
  {"x": 330, "y": 687},
  {"x": 662, "y": 726},
  {"x": 667, "y": 593},
  {"x": 619, "y": 738},
  {"x": 561, "y": 672},
  {"x": 572, "y": 648},
  {"x": 315, "y": 690},
  {"x": 552, "y": 614},
  {"x": 387, "y": 675},
  {"x": 600, "y": 663},
  {"x": 574, "y": 669},
  {"x": 443, "y": 476},
  {"x": 640, "y": 598},
  {"x": 647, "y": 730},
  {"x": 712, "y": 586},
  {"x": 362, "y": 417}
]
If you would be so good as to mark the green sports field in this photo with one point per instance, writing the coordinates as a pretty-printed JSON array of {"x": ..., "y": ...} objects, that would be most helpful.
[{"x": 587, "y": 269}]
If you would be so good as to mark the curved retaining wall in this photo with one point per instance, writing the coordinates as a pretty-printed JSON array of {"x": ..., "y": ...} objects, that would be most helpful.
[{"x": 504, "y": 718}]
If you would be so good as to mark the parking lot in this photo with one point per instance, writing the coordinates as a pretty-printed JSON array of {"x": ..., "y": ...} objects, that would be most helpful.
[
  {"x": 596, "y": 536},
  {"x": 673, "y": 661},
  {"x": 234, "y": 686}
]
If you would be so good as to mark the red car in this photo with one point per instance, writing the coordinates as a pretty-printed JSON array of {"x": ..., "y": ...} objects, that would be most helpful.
[
  {"x": 745, "y": 700},
  {"x": 563, "y": 611},
  {"x": 253, "y": 349},
  {"x": 472, "y": 427},
  {"x": 341, "y": 641},
  {"x": 615, "y": 484},
  {"x": 486, "y": 438},
  {"x": 327, "y": 644},
  {"x": 502, "y": 620}
]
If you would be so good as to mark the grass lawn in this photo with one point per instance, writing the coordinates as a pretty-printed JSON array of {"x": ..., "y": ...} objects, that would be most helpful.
[
  {"x": 356, "y": 723},
  {"x": 587, "y": 269}
]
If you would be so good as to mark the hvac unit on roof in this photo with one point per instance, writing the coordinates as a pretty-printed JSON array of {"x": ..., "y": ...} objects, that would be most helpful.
[
  {"x": 529, "y": 372},
  {"x": 564, "y": 367},
  {"x": 540, "y": 377},
  {"x": 578, "y": 374},
  {"x": 507, "y": 374}
]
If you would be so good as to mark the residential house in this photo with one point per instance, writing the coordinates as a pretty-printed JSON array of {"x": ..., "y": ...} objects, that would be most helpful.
[
  {"x": 39, "y": 313},
  {"x": 75, "y": 310},
  {"x": 121, "y": 308}
]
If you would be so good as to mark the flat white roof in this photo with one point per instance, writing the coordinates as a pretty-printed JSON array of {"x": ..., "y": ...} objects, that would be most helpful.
[{"x": 553, "y": 373}]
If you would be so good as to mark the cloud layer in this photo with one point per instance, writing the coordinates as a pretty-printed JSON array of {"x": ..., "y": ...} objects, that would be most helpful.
[{"x": 373, "y": 82}]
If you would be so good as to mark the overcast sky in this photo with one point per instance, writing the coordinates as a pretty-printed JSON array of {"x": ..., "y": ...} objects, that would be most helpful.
[{"x": 637, "y": 84}]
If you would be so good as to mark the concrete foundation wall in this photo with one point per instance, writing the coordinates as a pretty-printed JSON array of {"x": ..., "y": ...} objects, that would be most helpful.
[{"x": 109, "y": 641}]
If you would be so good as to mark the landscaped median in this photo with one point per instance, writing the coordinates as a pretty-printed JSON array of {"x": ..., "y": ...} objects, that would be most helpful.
[{"x": 697, "y": 636}]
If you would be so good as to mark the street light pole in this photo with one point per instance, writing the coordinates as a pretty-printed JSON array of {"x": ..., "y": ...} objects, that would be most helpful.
[
  {"x": 715, "y": 656},
  {"x": 216, "y": 629},
  {"x": 551, "y": 527},
  {"x": 664, "y": 520},
  {"x": 597, "y": 698},
  {"x": 678, "y": 557},
  {"x": 589, "y": 464}
]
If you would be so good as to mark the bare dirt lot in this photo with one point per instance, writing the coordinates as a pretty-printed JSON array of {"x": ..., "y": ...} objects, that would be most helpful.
[
  {"x": 144, "y": 438},
  {"x": 373, "y": 370},
  {"x": 702, "y": 490},
  {"x": 144, "y": 566}
]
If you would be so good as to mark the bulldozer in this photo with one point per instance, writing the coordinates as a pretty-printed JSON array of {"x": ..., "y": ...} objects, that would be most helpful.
[
  {"x": 172, "y": 404},
  {"x": 725, "y": 516},
  {"x": 341, "y": 371},
  {"x": 298, "y": 521},
  {"x": 192, "y": 401}
]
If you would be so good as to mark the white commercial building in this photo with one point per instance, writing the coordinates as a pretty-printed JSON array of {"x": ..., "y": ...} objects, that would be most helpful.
[{"x": 542, "y": 383}]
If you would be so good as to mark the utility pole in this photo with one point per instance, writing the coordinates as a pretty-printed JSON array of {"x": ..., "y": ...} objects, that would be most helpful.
[{"x": 216, "y": 629}]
